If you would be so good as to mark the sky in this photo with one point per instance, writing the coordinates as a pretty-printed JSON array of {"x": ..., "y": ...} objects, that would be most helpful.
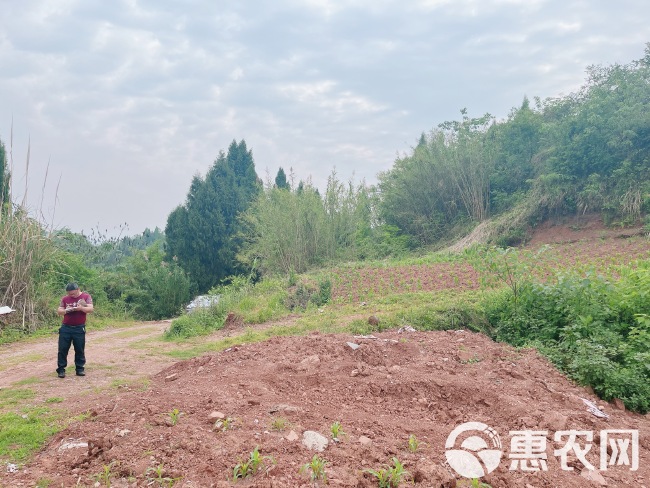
[{"x": 116, "y": 105}]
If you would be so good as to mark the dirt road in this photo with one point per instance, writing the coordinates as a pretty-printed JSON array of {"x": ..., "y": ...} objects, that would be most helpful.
[{"x": 114, "y": 357}]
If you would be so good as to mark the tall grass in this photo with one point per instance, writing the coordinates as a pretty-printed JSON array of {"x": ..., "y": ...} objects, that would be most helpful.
[{"x": 28, "y": 259}]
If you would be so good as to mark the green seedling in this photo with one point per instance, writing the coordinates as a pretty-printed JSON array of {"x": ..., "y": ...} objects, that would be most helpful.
[
  {"x": 174, "y": 415},
  {"x": 477, "y": 484},
  {"x": 390, "y": 477},
  {"x": 337, "y": 431},
  {"x": 316, "y": 469},
  {"x": 414, "y": 443},
  {"x": 252, "y": 466},
  {"x": 105, "y": 476},
  {"x": 157, "y": 475},
  {"x": 279, "y": 423},
  {"x": 224, "y": 424}
]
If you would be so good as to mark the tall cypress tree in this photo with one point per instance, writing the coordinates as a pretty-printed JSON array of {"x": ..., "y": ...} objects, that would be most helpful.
[
  {"x": 203, "y": 233},
  {"x": 281, "y": 180}
]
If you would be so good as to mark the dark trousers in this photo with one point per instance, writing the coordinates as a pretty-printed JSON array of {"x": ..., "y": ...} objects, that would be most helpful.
[{"x": 75, "y": 335}]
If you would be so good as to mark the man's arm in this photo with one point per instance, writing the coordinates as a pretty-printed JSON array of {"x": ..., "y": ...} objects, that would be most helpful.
[
  {"x": 88, "y": 308},
  {"x": 84, "y": 307},
  {"x": 60, "y": 311}
]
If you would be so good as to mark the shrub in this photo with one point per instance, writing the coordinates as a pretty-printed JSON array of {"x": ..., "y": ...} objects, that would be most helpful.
[{"x": 596, "y": 331}]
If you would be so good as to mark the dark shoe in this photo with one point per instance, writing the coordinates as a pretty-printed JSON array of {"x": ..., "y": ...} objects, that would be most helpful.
[
  {"x": 81, "y": 373},
  {"x": 61, "y": 374}
]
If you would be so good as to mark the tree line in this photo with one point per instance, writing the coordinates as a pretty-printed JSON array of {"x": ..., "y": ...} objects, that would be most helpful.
[{"x": 586, "y": 152}]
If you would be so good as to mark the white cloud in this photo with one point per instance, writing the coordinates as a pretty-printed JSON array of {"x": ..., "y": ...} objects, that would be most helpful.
[{"x": 155, "y": 88}]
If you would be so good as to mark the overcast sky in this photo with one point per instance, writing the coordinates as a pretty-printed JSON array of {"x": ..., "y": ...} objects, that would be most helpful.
[{"x": 127, "y": 99}]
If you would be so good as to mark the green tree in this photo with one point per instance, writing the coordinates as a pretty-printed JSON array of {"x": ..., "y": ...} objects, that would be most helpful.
[
  {"x": 157, "y": 288},
  {"x": 445, "y": 181},
  {"x": 468, "y": 155},
  {"x": 204, "y": 234},
  {"x": 602, "y": 141},
  {"x": 415, "y": 197},
  {"x": 286, "y": 231},
  {"x": 518, "y": 145},
  {"x": 281, "y": 180},
  {"x": 297, "y": 230}
]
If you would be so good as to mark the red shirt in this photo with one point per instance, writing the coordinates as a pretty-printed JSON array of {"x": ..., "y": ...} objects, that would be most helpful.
[{"x": 77, "y": 317}]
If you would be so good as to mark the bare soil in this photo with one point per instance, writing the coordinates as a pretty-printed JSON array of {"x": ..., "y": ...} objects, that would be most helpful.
[{"x": 148, "y": 412}]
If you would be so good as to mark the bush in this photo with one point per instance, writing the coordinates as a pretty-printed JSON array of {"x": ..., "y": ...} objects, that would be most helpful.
[
  {"x": 256, "y": 303},
  {"x": 596, "y": 331},
  {"x": 162, "y": 293},
  {"x": 301, "y": 295}
]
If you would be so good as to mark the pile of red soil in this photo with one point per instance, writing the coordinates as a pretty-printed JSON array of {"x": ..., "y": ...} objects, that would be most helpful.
[{"x": 391, "y": 386}]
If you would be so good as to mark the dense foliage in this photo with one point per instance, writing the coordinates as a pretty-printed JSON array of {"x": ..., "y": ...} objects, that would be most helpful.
[
  {"x": 203, "y": 234},
  {"x": 587, "y": 152},
  {"x": 293, "y": 231},
  {"x": 594, "y": 329}
]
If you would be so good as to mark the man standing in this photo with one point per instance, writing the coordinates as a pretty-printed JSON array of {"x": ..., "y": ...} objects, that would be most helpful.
[{"x": 74, "y": 307}]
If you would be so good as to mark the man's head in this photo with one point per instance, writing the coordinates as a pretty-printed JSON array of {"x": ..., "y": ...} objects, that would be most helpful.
[{"x": 72, "y": 289}]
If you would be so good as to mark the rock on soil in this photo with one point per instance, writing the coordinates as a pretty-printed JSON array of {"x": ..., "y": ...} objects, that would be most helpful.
[{"x": 425, "y": 384}]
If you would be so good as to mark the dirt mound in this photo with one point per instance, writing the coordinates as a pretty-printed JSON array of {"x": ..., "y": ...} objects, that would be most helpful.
[{"x": 201, "y": 417}]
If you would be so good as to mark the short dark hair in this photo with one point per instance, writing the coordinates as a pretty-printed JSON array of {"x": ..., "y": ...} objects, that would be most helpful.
[{"x": 71, "y": 286}]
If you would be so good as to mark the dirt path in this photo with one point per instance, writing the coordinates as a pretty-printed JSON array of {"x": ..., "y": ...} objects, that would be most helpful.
[{"x": 115, "y": 356}]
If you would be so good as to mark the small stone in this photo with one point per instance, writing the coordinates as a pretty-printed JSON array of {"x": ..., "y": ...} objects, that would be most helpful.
[
  {"x": 217, "y": 415},
  {"x": 171, "y": 377},
  {"x": 313, "y": 359},
  {"x": 124, "y": 432},
  {"x": 314, "y": 441},
  {"x": 594, "y": 477},
  {"x": 73, "y": 444},
  {"x": 353, "y": 346},
  {"x": 201, "y": 368},
  {"x": 618, "y": 403},
  {"x": 365, "y": 441},
  {"x": 292, "y": 436},
  {"x": 283, "y": 407},
  {"x": 372, "y": 320},
  {"x": 354, "y": 372}
]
